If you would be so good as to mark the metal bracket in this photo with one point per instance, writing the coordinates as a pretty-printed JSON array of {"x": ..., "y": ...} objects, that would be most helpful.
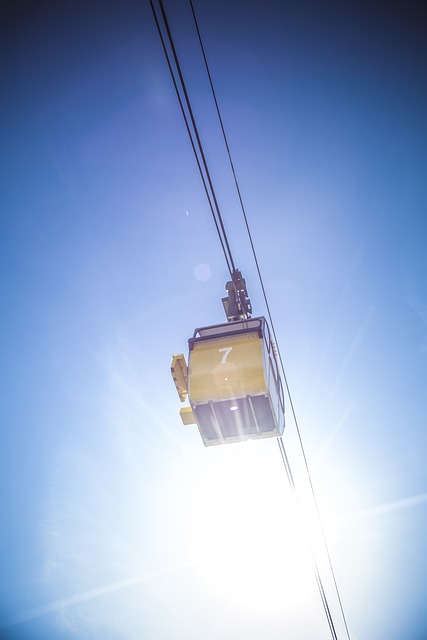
[
  {"x": 237, "y": 305},
  {"x": 179, "y": 373}
]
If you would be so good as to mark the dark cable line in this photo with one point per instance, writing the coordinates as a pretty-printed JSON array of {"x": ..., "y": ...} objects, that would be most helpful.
[
  {"x": 224, "y": 135},
  {"x": 190, "y": 134},
  {"x": 190, "y": 110},
  {"x": 230, "y": 263},
  {"x": 314, "y": 564},
  {"x": 232, "y": 168},
  {"x": 270, "y": 317},
  {"x": 211, "y": 195}
]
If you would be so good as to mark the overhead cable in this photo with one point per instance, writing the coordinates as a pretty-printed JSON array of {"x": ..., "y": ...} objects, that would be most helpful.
[
  {"x": 280, "y": 440},
  {"x": 192, "y": 130},
  {"x": 315, "y": 567}
]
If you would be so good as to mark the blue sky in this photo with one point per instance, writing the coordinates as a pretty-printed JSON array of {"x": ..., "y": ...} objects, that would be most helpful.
[{"x": 116, "y": 521}]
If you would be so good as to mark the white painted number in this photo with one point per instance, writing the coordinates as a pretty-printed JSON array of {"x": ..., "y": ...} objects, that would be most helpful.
[{"x": 226, "y": 351}]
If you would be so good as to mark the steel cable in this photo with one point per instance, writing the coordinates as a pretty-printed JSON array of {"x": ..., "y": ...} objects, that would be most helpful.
[
  {"x": 213, "y": 203},
  {"x": 196, "y": 143},
  {"x": 272, "y": 327}
]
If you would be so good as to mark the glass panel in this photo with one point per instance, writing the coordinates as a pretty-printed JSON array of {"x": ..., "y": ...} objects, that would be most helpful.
[
  {"x": 206, "y": 422},
  {"x": 235, "y": 418},
  {"x": 263, "y": 413}
]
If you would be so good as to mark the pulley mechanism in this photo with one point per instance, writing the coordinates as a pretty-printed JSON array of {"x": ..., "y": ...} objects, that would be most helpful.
[{"x": 237, "y": 305}]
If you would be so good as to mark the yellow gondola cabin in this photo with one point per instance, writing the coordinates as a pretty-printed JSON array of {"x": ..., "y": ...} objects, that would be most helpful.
[{"x": 232, "y": 381}]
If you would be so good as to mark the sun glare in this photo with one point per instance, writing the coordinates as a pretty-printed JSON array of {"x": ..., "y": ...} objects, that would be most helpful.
[{"x": 245, "y": 540}]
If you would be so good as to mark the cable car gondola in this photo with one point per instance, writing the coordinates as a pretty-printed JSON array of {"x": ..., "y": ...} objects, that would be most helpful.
[{"x": 232, "y": 380}]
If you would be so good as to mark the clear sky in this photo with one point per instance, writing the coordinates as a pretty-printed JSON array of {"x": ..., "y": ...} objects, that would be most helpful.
[{"x": 116, "y": 522}]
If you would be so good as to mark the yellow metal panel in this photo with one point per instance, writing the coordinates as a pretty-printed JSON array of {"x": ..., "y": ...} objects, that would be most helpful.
[
  {"x": 227, "y": 367},
  {"x": 187, "y": 415},
  {"x": 180, "y": 375}
]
